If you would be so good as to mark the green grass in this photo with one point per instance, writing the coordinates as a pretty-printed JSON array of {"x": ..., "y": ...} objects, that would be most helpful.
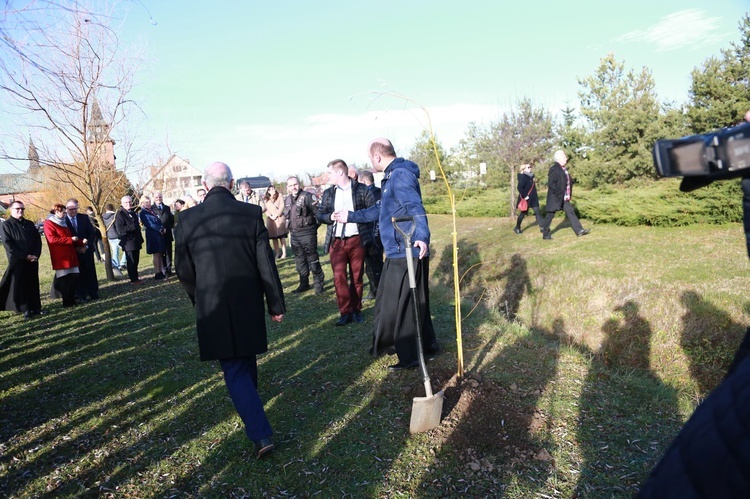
[{"x": 583, "y": 355}]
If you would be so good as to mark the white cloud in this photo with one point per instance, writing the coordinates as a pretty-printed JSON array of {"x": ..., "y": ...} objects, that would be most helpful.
[
  {"x": 686, "y": 28},
  {"x": 310, "y": 143}
]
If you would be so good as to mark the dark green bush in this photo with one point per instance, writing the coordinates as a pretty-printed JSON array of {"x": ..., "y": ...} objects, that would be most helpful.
[{"x": 641, "y": 202}]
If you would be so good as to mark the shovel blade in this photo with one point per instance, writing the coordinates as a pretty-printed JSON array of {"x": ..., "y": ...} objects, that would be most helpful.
[{"x": 425, "y": 413}]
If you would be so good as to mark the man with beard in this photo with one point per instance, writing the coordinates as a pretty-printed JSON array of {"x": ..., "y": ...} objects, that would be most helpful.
[{"x": 19, "y": 288}]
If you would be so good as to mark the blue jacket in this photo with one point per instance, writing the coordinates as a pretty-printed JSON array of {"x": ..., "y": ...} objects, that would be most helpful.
[{"x": 401, "y": 196}]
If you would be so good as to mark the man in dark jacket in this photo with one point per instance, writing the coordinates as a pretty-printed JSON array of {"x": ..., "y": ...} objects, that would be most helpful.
[
  {"x": 224, "y": 261},
  {"x": 346, "y": 242},
  {"x": 395, "y": 324},
  {"x": 19, "y": 288},
  {"x": 164, "y": 212},
  {"x": 300, "y": 208},
  {"x": 374, "y": 256},
  {"x": 80, "y": 226},
  {"x": 559, "y": 193},
  {"x": 128, "y": 228}
]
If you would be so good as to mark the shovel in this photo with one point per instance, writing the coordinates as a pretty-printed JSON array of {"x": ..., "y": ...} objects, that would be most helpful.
[{"x": 425, "y": 411}]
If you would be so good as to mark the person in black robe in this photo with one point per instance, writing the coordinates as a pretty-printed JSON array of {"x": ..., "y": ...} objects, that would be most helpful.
[{"x": 19, "y": 287}]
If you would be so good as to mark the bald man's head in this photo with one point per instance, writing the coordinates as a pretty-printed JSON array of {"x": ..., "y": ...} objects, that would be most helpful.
[
  {"x": 381, "y": 153},
  {"x": 560, "y": 157},
  {"x": 217, "y": 175}
]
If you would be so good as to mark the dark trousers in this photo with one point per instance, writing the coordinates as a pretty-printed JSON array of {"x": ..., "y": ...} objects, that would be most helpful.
[
  {"x": 306, "y": 258},
  {"x": 88, "y": 282},
  {"x": 241, "y": 378},
  {"x": 374, "y": 266},
  {"x": 537, "y": 212},
  {"x": 575, "y": 224},
  {"x": 166, "y": 257},
  {"x": 348, "y": 254},
  {"x": 65, "y": 287},
  {"x": 132, "y": 258}
]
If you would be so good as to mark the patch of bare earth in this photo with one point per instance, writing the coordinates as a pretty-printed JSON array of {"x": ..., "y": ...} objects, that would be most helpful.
[{"x": 488, "y": 423}]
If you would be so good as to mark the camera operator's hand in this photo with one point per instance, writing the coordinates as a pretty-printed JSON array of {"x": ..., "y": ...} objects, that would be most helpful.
[{"x": 747, "y": 116}]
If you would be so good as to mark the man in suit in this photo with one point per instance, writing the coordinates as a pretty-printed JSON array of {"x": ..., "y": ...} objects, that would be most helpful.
[
  {"x": 560, "y": 189},
  {"x": 226, "y": 243},
  {"x": 164, "y": 212},
  {"x": 80, "y": 225}
]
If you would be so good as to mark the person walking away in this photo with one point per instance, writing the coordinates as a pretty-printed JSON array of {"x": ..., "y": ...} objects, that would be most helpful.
[{"x": 224, "y": 262}]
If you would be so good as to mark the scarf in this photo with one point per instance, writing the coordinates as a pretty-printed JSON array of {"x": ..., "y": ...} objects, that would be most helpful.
[{"x": 59, "y": 221}]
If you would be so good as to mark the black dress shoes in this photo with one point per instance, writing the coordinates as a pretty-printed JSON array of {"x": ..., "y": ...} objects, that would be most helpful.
[
  {"x": 344, "y": 320},
  {"x": 517, "y": 230},
  {"x": 547, "y": 236},
  {"x": 357, "y": 316},
  {"x": 263, "y": 448},
  {"x": 401, "y": 366},
  {"x": 583, "y": 232},
  {"x": 302, "y": 288}
]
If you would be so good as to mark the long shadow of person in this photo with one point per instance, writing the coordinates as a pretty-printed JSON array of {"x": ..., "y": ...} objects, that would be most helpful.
[
  {"x": 619, "y": 403},
  {"x": 468, "y": 258},
  {"x": 709, "y": 339},
  {"x": 517, "y": 283}
]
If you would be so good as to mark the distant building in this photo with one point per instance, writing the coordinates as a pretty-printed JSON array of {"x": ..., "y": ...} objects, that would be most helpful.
[
  {"x": 29, "y": 187},
  {"x": 175, "y": 179},
  {"x": 23, "y": 187}
]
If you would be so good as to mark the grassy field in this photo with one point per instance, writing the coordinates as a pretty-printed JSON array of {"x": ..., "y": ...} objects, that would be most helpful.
[{"x": 584, "y": 356}]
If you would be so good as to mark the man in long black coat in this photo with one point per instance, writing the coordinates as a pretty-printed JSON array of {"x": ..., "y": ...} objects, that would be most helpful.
[
  {"x": 164, "y": 212},
  {"x": 560, "y": 190},
  {"x": 19, "y": 288},
  {"x": 81, "y": 226},
  {"x": 225, "y": 263}
]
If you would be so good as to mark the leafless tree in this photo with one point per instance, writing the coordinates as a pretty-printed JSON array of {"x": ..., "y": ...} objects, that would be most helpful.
[{"x": 65, "y": 79}]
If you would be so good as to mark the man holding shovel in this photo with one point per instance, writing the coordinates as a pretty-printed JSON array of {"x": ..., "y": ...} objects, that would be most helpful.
[{"x": 395, "y": 322}]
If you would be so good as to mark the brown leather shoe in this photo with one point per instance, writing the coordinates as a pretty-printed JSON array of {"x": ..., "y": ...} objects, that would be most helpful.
[{"x": 263, "y": 448}]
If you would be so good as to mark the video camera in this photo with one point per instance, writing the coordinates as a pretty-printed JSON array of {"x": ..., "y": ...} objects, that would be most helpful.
[{"x": 701, "y": 159}]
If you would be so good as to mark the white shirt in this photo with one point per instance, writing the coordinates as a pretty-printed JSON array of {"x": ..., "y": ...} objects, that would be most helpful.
[{"x": 343, "y": 200}]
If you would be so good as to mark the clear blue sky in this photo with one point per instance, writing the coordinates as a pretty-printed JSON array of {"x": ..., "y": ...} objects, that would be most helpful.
[{"x": 277, "y": 88}]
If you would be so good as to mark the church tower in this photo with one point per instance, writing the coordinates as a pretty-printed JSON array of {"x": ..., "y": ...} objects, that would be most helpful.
[
  {"x": 101, "y": 145},
  {"x": 34, "y": 168}
]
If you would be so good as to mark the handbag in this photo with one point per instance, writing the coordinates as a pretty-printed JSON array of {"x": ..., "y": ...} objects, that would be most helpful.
[{"x": 523, "y": 204}]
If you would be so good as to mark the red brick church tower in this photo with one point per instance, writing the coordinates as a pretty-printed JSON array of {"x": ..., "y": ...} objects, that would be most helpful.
[{"x": 101, "y": 145}]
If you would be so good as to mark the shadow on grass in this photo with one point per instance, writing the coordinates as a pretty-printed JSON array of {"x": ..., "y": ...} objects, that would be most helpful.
[
  {"x": 627, "y": 415},
  {"x": 709, "y": 339}
]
